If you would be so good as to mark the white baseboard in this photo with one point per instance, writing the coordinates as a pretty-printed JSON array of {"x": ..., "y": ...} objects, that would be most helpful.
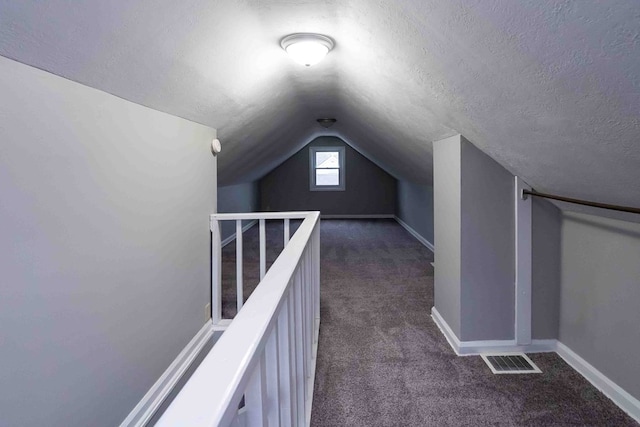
[
  {"x": 475, "y": 348},
  {"x": 446, "y": 330},
  {"x": 415, "y": 234},
  {"x": 231, "y": 238},
  {"x": 380, "y": 216},
  {"x": 144, "y": 410},
  {"x": 613, "y": 391}
]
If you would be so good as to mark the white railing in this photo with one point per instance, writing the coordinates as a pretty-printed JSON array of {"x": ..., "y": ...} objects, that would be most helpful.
[{"x": 268, "y": 351}]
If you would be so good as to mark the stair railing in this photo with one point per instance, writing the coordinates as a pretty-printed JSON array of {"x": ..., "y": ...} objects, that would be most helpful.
[{"x": 261, "y": 371}]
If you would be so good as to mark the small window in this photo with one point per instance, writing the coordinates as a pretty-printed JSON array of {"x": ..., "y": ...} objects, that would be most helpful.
[{"x": 326, "y": 169}]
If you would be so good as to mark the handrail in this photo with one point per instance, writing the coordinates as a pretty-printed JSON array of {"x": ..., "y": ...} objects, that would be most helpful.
[
  {"x": 260, "y": 215},
  {"x": 618, "y": 208},
  {"x": 237, "y": 366}
]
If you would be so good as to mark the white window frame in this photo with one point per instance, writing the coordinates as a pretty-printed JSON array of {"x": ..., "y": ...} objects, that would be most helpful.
[{"x": 312, "y": 169}]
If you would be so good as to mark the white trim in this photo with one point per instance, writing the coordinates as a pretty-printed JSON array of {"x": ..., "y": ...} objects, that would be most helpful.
[
  {"x": 415, "y": 234},
  {"x": 222, "y": 325},
  {"x": 375, "y": 216},
  {"x": 231, "y": 238},
  {"x": 613, "y": 391},
  {"x": 257, "y": 215},
  {"x": 475, "y": 348},
  {"x": 535, "y": 370},
  {"x": 144, "y": 410},
  {"x": 342, "y": 171},
  {"x": 446, "y": 330},
  {"x": 522, "y": 214}
]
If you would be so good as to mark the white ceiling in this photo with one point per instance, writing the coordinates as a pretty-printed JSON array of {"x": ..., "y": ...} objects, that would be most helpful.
[{"x": 550, "y": 89}]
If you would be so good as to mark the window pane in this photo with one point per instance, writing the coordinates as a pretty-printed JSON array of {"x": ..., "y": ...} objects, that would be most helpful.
[
  {"x": 327, "y": 159},
  {"x": 327, "y": 177}
]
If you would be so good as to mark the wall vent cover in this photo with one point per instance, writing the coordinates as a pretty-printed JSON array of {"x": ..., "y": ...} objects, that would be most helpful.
[{"x": 510, "y": 363}]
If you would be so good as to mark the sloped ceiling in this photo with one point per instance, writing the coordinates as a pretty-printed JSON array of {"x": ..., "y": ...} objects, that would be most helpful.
[{"x": 550, "y": 89}]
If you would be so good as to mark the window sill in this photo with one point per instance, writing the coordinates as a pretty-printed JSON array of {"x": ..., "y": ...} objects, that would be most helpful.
[{"x": 326, "y": 189}]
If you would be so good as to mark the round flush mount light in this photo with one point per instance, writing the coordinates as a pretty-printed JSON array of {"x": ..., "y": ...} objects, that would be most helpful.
[
  {"x": 326, "y": 123},
  {"x": 307, "y": 48}
]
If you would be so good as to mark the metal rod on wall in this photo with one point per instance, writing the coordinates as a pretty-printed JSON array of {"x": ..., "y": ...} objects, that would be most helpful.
[{"x": 534, "y": 193}]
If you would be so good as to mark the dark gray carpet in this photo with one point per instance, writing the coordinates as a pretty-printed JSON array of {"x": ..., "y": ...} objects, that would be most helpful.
[
  {"x": 383, "y": 362},
  {"x": 250, "y": 261}
]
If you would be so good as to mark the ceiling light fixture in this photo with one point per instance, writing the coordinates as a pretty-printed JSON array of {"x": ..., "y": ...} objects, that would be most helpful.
[
  {"x": 307, "y": 48},
  {"x": 326, "y": 123}
]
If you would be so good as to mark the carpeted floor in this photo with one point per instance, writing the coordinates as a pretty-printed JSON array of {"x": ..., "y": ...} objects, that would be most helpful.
[
  {"x": 274, "y": 231},
  {"x": 383, "y": 362}
]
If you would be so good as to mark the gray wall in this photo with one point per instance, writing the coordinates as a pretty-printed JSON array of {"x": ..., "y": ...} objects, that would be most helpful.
[
  {"x": 415, "y": 207},
  {"x": 600, "y": 295},
  {"x": 369, "y": 189},
  {"x": 487, "y": 239},
  {"x": 447, "y": 213},
  {"x": 474, "y": 250},
  {"x": 237, "y": 198},
  {"x": 104, "y": 252},
  {"x": 474, "y": 232},
  {"x": 546, "y": 224}
]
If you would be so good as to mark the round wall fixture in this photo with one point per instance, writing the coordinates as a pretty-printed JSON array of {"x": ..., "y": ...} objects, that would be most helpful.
[
  {"x": 326, "y": 123},
  {"x": 216, "y": 147},
  {"x": 307, "y": 48}
]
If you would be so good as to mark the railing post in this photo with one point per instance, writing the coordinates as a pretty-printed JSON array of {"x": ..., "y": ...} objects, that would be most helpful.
[
  {"x": 216, "y": 272},
  {"x": 239, "y": 280}
]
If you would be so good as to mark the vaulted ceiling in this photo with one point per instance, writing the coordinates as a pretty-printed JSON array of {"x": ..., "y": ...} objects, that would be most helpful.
[{"x": 550, "y": 89}]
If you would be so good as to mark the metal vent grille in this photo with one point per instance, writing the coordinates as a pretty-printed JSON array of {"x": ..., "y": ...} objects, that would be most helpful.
[{"x": 511, "y": 363}]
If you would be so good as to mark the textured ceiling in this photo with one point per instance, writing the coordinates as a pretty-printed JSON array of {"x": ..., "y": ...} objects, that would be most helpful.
[{"x": 550, "y": 89}]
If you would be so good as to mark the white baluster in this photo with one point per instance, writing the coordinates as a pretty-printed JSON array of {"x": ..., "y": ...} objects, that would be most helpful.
[
  {"x": 285, "y": 369},
  {"x": 293, "y": 353},
  {"x": 305, "y": 318},
  {"x": 287, "y": 233},
  {"x": 240, "y": 420},
  {"x": 273, "y": 377},
  {"x": 308, "y": 308},
  {"x": 299, "y": 347},
  {"x": 263, "y": 250},
  {"x": 239, "y": 279},
  {"x": 255, "y": 396}
]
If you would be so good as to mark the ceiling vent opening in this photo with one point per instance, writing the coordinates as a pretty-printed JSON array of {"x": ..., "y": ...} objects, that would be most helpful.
[{"x": 510, "y": 363}]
